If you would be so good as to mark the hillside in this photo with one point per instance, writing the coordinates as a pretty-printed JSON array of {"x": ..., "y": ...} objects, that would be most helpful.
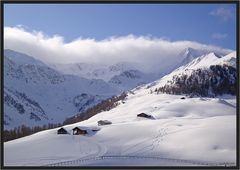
[
  {"x": 191, "y": 131},
  {"x": 181, "y": 131}
]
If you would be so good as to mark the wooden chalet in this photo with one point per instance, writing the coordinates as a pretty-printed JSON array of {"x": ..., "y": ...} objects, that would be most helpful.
[
  {"x": 79, "y": 131},
  {"x": 62, "y": 131}
]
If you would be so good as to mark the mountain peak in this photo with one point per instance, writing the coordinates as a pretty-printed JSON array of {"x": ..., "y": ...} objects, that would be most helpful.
[
  {"x": 188, "y": 55},
  {"x": 215, "y": 55},
  {"x": 203, "y": 61}
]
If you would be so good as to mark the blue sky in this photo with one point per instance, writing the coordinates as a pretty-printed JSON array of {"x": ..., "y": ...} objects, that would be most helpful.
[{"x": 205, "y": 23}]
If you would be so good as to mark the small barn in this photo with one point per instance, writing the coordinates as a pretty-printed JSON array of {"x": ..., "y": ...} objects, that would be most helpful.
[
  {"x": 79, "y": 131},
  {"x": 104, "y": 122},
  {"x": 62, "y": 131},
  {"x": 144, "y": 115}
]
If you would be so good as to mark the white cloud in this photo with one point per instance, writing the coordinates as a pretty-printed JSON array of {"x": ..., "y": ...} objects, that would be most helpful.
[
  {"x": 150, "y": 53},
  {"x": 219, "y": 36},
  {"x": 224, "y": 13}
]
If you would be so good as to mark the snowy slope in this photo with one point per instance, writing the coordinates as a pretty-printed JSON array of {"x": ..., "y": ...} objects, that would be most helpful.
[
  {"x": 229, "y": 59},
  {"x": 190, "y": 132},
  {"x": 32, "y": 90},
  {"x": 198, "y": 131}
]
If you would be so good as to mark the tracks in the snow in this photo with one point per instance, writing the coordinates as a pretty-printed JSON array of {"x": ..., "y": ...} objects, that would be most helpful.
[{"x": 79, "y": 162}]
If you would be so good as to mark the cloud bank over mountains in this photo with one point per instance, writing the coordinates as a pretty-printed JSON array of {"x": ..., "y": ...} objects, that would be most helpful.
[{"x": 149, "y": 52}]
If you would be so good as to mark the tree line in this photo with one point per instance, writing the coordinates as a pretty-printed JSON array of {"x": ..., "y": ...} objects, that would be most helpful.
[
  {"x": 104, "y": 105},
  {"x": 217, "y": 80},
  {"x": 23, "y": 130}
]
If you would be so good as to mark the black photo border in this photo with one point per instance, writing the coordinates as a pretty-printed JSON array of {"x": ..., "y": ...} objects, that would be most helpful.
[{"x": 236, "y": 2}]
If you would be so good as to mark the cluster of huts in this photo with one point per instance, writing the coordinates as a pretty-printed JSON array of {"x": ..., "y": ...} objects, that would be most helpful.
[
  {"x": 81, "y": 130},
  {"x": 78, "y": 130}
]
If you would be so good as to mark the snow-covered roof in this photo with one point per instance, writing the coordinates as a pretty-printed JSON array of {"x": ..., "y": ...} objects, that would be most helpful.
[
  {"x": 62, "y": 128},
  {"x": 87, "y": 128},
  {"x": 81, "y": 127}
]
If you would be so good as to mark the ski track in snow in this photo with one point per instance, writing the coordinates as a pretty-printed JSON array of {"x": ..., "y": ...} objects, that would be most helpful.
[{"x": 101, "y": 149}]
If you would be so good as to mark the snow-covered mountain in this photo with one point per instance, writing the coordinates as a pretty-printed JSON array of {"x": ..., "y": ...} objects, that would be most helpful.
[
  {"x": 207, "y": 75},
  {"x": 209, "y": 59},
  {"x": 131, "y": 78},
  {"x": 93, "y": 71},
  {"x": 189, "y": 54},
  {"x": 35, "y": 94},
  {"x": 126, "y": 75},
  {"x": 182, "y": 131},
  {"x": 123, "y": 76}
]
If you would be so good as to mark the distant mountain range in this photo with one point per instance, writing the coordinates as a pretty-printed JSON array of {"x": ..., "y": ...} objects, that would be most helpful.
[{"x": 37, "y": 93}]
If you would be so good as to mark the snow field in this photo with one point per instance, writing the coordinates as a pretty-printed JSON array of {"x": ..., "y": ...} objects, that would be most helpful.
[{"x": 205, "y": 133}]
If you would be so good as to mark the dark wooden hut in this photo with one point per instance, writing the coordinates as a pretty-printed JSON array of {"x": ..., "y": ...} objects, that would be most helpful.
[
  {"x": 144, "y": 115},
  {"x": 62, "y": 131},
  {"x": 79, "y": 131}
]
